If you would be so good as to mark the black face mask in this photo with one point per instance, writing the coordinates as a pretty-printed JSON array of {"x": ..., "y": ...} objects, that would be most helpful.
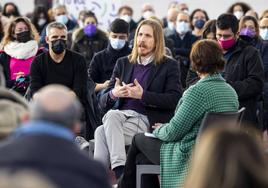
[
  {"x": 58, "y": 46},
  {"x": 9, "y": 14},
  {"x": 24, "y": 36}
]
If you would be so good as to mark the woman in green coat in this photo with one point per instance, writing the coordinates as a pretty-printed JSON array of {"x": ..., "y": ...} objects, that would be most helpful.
[{"x": 174, "y": 140}]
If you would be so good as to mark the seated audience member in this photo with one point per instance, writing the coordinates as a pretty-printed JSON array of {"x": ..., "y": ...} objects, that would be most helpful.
[
  {"x": 40, "y": 18},
  {"x": 59, "y": 65},
  {"x": 228, "y": 158},
  {"x": 144, "y": 89},
  {"x": 209, "y": 32},
  {"x": 126, "y": 12},
  {"x": 264, "y": 35},
  {"x": 171, "y": 22},
  {"x": 46, "y": 143},
  {"x": 252, "y": 13},
  {"x": 60, "y": 14},
  {"x": 89, "y": 39},
  {"x": 102, "y": 65},
  {"x": 174, "y": 140},
  {"x": 183, "y": 40},
  {"x": 264, "y": 14},
  {"x": 13, "y": 111},
  {"x": 1, "y": 28},
  {"x": 243, "y": 70},
  {"x": 198, "y": 18},
  {"x": 249, "y": 32},
  {"x": 10, "y": 11},
  {"x": 238, "y": 9},
  {"x": 147, "y": 11},
  {"x": 19, "y": 48}
]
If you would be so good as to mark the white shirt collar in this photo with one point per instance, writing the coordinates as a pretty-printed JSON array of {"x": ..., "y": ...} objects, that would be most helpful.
[{"x": 146, "y": 61}]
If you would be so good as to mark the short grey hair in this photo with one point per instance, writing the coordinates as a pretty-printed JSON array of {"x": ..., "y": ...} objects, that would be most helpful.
[
  {"x": 57, "y": 6},
  {"x": 57, "y": 25},
  {"x": 66, "y": 117}
]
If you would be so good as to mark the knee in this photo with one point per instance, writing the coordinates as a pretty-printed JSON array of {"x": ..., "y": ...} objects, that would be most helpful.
[
  {"x": 99, "y": 132},
  {"x": 112, "y": 114},
  {"x": 138, "y": 139}
]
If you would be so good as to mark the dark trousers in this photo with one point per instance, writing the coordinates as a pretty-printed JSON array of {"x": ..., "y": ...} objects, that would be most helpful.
[{"x": 143, "y": 150}]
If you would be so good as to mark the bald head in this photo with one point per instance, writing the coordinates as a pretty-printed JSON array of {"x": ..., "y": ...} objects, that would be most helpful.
[
  {"x": 55, "y": 98},
  {"x": 264, "y": 23},
  {"x": 147, "y": 7},
  {"x": 172, "y": 14},
  {"x": 57, "y": 104}
]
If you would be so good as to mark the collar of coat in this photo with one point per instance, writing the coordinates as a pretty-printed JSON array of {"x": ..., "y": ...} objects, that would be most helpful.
[{"x": 213, "y": 77}]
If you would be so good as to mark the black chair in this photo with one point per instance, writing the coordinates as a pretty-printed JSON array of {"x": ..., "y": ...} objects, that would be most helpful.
[{"x": 212, "y": 119}]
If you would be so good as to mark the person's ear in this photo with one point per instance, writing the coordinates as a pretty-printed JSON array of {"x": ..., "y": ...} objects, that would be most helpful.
[
  {"x": 47, "y": 40},
  {"x": 76, "y": 129},
  {"x": 25, "y": 117}
]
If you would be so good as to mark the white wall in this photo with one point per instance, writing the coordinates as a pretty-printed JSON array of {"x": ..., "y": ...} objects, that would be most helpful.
[{"x": 213, "y": 7}]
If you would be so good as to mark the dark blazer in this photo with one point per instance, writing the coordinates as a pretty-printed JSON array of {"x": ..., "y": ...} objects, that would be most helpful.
[
  {"x": 161, "y": 93},
  {"x": 58, "y": 159}
]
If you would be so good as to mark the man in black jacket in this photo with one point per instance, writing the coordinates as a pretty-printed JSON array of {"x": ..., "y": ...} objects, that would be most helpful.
[
  {"x": 243, "y": 70},
  {"x": 144, "y": 89},
  {"x": 103, "y": 62},
  {"x": 183, "y": 40},
  {"x": 46, "y": 143}
]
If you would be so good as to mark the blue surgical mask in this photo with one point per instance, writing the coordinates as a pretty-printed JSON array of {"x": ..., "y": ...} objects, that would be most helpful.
[
  {"x": 182, "y": 27},
  {"x": 62, "y": 19},
  {"x": 199, "y": 23},
  {"x": 171, "y": 26},
  {"x": 117, "y": 44},
  {"x": 264, "y": 34}
]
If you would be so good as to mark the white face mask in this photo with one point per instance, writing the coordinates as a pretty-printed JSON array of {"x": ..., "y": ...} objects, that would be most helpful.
[
  {"x": 182, "y": 27},
  {"x": 41, "y": 21},
  {"x": 264, "y": 34},
  {"x": 62, "y": 19},
  {"x": 171, "y": 26},
  {"x": 117, "y": 44},
  {"x": 147, "y": 14},
  {"x": 238, "y": 14},
  {"x": 126, "y": 18}
]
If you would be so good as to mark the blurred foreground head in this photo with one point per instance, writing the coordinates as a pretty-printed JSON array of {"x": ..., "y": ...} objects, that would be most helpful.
[
  {"x": 228, "y": 158},
  {"x": 56, "y": 104}
]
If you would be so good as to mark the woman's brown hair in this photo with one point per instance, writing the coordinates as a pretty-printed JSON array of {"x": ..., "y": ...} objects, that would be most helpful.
[
  {"x": 207, "y": 57},
  {"x": 10, "y": 31},
  {"x": 254, "y": 20}
]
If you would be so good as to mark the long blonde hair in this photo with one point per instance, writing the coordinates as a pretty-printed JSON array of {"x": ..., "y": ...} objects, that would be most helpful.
[
  {"x": 159, "y": 51},
  {"x": 228, "y": 158},
  {"x": 10, "y": 31}
]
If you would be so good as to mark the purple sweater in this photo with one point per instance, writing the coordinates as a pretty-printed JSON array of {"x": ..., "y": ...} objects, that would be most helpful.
[{"x": 141, "y": 73}]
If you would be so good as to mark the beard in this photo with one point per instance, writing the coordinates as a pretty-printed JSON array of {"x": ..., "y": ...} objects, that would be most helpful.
[{"x": 143, "y": 50}]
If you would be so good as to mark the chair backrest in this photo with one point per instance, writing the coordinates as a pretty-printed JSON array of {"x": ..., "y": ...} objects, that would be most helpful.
[{"x": 229, "y": 118}]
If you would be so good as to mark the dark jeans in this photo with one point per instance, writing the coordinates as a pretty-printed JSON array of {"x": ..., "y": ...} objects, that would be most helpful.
[{"x": 143, "y": 150}]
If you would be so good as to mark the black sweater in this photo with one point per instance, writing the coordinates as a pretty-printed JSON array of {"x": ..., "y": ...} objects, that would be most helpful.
[
  {"x": 102, "y": 64},
  {"x": 70, "y": 72}
]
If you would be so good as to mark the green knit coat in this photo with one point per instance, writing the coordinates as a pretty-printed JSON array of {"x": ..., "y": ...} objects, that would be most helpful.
[{"x": 210, "y": 94}]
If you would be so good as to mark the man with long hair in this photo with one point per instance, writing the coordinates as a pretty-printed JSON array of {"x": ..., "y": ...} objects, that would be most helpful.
[{"x": 144, "y": 89}]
